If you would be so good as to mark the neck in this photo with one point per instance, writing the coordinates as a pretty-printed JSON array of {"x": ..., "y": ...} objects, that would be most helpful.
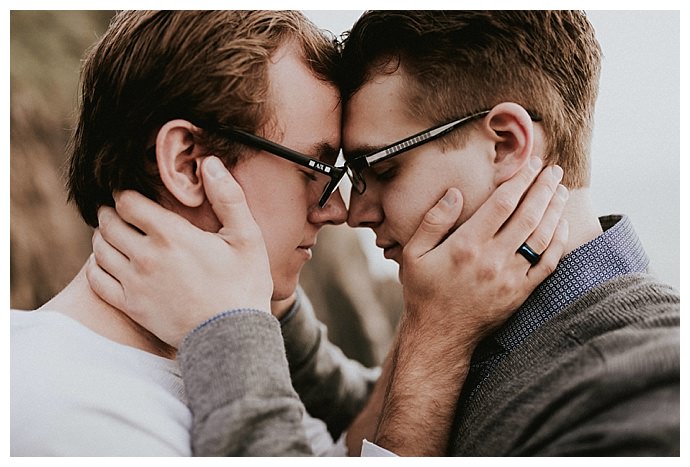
[
  {"x": 80, "y": 303},
  {"x": 583, "y": 223}
]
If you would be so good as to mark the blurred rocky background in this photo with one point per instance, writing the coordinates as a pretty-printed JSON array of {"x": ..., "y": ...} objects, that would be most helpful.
[{"x": 48, "y": 240}]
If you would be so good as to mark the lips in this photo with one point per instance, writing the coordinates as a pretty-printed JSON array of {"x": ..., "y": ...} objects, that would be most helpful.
[
  {"x": 390, "y": 249},
  {"x": 308, "y": 245},
  {"x": 306, "y": 249}
]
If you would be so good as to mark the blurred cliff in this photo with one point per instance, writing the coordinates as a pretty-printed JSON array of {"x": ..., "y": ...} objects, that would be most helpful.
[{"x": 48, "y": 240}]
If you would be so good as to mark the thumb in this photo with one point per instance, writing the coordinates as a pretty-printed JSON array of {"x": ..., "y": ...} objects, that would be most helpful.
[
  {"x": 436, "y": 224},
  {"x": 226, "y": 197}
]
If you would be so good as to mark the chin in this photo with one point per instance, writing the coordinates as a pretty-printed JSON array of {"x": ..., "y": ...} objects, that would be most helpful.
[{"x": 283, "y": 289}]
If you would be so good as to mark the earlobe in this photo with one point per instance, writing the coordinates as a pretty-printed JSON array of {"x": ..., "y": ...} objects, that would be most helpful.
[
  {"x": 179, "y": 156},
  {"x": 513, "y": 130}
]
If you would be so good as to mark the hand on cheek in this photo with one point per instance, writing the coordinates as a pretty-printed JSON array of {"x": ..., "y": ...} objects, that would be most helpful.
[{"x": 170, "y": 276}]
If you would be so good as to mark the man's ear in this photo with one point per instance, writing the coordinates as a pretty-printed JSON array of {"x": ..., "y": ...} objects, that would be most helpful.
[
  {"x": 179, "y": 157},
  {"x": 513, "y": 132}
]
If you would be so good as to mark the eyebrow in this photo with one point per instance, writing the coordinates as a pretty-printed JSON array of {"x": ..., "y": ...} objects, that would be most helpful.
[
  {"x": 324, "y": 151},
  {"x": 360, "y": 151}
]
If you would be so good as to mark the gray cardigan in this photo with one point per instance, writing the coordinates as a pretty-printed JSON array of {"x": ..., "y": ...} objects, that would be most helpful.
[
  {"x": 240, "y": 387},
  {"x": 600, "y": 378}
]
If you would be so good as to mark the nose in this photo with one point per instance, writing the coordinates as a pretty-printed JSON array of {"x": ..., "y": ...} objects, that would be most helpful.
[
  {"x": 333, "y": 212},
  {"x": 364, "y": 211}
]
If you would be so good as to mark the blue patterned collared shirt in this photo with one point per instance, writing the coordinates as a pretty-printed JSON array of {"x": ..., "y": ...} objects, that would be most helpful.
[{"x": 616, "y": 252}]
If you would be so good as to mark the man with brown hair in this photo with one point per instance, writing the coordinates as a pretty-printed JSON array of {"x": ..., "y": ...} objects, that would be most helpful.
[
  {"x": 589, "y": 364},
  {"x": 169, "y": 101}
]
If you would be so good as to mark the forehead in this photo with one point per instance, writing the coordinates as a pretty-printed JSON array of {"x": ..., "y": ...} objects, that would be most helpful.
[
  {"x": 306, "y": 110},
  {"x": 377, "y": 115}
]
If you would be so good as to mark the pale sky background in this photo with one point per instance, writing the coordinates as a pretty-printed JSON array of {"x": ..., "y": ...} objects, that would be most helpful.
[{"x": 636, "y": 145}]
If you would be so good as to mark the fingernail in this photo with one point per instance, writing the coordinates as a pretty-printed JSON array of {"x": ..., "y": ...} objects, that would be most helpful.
[
  {"x": 215, "y": 168},
  {"x": 450, "y": 198},
  {"x": 557, "y": 172},
  {"x": 563, "y": 192},
  {"x": 535, "y": 163}
]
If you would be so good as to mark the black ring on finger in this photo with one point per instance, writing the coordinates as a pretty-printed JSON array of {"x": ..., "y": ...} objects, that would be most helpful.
[{"x": 529, "y": 254}]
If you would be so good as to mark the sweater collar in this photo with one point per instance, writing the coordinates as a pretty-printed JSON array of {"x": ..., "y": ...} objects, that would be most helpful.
[{"x": 616, "y": 252}]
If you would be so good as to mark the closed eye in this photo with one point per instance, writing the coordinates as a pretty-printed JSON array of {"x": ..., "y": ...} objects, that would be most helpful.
[
  {"x": 310, "y": 175},
  {"x": 383, "y": 174}
]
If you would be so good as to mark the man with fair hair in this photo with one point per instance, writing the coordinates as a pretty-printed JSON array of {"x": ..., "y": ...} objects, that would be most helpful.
[
  {"x": 589, "y": 364},
  {"x": 162, "y": 92}
]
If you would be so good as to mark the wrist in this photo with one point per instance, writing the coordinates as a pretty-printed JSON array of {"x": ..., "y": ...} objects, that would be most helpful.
[
  {"x": 426, "y": 331},
  {"x": 217, "y": 317},
  {"x": 429, "y": 368}
]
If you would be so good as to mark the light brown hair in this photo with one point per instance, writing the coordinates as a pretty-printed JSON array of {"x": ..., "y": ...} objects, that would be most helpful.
[
  {"x": 151, "y": 67},
  {"x": 456, "y": 63}
]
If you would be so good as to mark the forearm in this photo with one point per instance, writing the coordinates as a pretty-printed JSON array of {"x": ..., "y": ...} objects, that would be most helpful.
[
  {"x": 239, "y": 391},
  {"x": 333, "y": 387},
  {"x": 364, "y": 426},
  {"x": 428, "y": 371}
]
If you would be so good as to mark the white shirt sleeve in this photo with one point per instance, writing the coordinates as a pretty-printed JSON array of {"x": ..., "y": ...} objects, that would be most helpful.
[
  {"x": 370, "y": 449},
  {"x": 323, "y": 446}
]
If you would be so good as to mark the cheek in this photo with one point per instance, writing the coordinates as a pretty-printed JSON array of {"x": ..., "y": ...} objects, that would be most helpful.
[
  {"x": 404, "y": 210},
  {"x": 277, "y": 200},
  {"x": 282, "y": 222}
]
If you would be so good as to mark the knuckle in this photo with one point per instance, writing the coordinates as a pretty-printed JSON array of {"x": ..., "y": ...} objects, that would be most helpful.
[
  {"x": 538, "y": 242},
  {"x": 488, "y": 271},
  {"x": 410, "y": 254},
  {"x": 104, "y": 221},
  {"x": 97, "y": 246},
  {"x": 527, "y": 176},
  {"x": 433, "y": 218},
  {"x": 505, "y": 288},
  {"x": 407, "y": 253},
  {"x": 549, "y": 265},
  {"x": 96, "y": 237},
  {"x": 146, "y": 263},
  {"x": 505, "y": 204},
  {"x": 529, "y": 219},
  {"x": 124, "y": 201},
  {"x": 463, "y": 254}
]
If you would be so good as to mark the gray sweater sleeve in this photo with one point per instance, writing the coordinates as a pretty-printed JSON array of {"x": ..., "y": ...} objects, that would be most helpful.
[
  {"x": 333, "y": 387},
  {"x": 238, "y": 388}
]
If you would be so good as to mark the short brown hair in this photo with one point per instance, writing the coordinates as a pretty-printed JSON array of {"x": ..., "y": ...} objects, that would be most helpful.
[
  {"x": 151, "y": 67},
  {"x": 459, "y": 62}
]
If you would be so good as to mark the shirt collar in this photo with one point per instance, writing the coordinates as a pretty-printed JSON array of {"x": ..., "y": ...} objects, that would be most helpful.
[{"x": 616, "y": 252}]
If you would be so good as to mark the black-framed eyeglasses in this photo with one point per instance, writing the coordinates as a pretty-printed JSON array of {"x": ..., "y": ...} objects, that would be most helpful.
[
  {"x": 334, "y": 173},
  {"x": 356, "y": 166}
]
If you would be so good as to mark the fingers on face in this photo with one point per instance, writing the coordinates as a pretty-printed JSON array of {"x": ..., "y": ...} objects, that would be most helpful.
[
  {"x": 536, "y": 218},
  {"x": 228, "y": 201},
  {"x": 493, "y": 214},
  {"x": 551, "y": 256},
  {"x": 543, "y": 234},
  {"x": 435, "y": 225}
]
